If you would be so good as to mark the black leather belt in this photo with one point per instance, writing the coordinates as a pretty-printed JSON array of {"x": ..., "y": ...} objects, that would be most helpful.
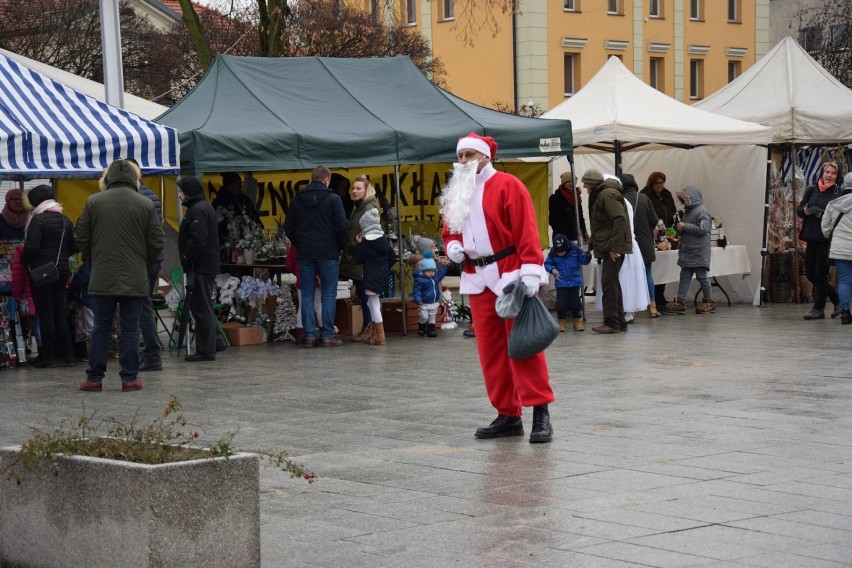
[{"x": 490, "y": 259}]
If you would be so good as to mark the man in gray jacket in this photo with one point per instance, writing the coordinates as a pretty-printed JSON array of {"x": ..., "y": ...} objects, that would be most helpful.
[{"x": 120, "y": 235}]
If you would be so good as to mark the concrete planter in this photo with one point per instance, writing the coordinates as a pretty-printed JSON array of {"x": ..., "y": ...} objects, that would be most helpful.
[{"x": 99, "y": 512}]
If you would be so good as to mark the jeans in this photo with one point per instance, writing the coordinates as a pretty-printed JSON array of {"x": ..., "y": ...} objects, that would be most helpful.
[
  {"x": 128, "y": 339},
  {"x": 844, "y": 282},
  {"x": 327, "y": 270},
  {"x": 148, "y": 326},
  {"x": 650, "y": 277}
]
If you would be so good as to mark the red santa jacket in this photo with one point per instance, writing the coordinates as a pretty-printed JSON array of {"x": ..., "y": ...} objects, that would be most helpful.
[{"x": 501, "y": 216}]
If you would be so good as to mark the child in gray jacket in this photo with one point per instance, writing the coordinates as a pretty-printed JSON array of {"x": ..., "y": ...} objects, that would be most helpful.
[{"x": 694, "y": 251}]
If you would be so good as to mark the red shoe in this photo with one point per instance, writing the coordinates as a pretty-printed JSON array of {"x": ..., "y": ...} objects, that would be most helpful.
[
  {"x": 91, "y": 386},
  {"x": 131, "y": 385}
]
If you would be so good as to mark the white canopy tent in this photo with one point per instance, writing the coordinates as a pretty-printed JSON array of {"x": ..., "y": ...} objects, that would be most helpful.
[
  {"x": 789, "y": 91},
  {"x": 616, "y": 112}
]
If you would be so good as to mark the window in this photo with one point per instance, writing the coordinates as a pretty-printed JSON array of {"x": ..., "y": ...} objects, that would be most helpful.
[
  {"x": 656, "y": 9},
  {"x": 570, "y": 5},
  {"x": 696, "y": 79},
  {"x": 734, "y": 70},
  {"x": 696, "y": 9},
  {"x": 570, "y": 70},
  {"x": 613, "y": 7},
  {"x": 657, "y": 73},
  {"x": 811, "y": 39},
  {"x": 411, "y": 12},
  {"x": 840, "y": 37},
  {"x": 734, "y": 14},
  {"x": 449, "y": 9},
  {"x": 375, "y": 10}
]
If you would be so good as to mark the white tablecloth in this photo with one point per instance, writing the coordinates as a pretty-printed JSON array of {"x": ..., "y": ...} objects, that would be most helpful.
[{"x": 732, "y": 259}]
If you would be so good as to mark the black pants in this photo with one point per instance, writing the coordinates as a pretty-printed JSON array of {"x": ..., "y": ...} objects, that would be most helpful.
[
  {"x": 568, "y": 299},
  {"x": 206, "y": 330},
  {"x": 613, "y": 304},
  {"x": 816, "y": 269},
  {"x": 660, "y": 294},
  {"x": 50, "y": 308}
]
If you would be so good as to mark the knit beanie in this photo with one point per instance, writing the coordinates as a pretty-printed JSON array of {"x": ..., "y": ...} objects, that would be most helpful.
[
  {"x": 371, "y": 227},
  {"x": 422, "y": 243},
  {"x": 428, "y": 263},
  {"x": 39, "y": 194},
  {"x": 230, "y": 177},
  {"x": 121, "y": 172},
  {"x": 592, "y": 176},
  {"x": 560, "y": 242},
  {"x": 565, "y": 178}
]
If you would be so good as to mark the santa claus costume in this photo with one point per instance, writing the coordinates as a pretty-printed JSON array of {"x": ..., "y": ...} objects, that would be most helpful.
[{"x": 490, "y": 226}]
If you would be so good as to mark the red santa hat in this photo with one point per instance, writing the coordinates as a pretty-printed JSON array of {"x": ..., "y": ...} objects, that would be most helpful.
[{"x": 482, "y": 144}]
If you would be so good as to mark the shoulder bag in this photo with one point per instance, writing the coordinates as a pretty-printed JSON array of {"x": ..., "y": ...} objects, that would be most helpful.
[{"x": 47, "y": 274}]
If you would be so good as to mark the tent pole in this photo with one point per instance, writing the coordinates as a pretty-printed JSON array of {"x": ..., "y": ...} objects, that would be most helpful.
[
  {"x": 764, "y": 252},
  {"x": 797, "y": 291},
  {"x": 579, "y": 234},
  {"x": 617, "y": 147},
  {"x": 399, "y": 240}
]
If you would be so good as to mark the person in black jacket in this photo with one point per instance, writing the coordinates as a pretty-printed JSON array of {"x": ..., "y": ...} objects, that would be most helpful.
[
  {"x": 563, "y": 210},
  {"x": 317, "y": 225},
  {"x": 198, "y": 246},
  {"x": 814, "y": 203},
  {"x": 49, "y": 239}
]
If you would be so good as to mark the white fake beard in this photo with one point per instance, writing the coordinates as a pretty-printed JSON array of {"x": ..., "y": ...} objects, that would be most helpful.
[{"x": 455, "y": 199}]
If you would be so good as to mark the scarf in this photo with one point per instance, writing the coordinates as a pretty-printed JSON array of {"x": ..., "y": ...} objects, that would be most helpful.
[
  {"x": 46, "y": 205},
  {"x": 16, "y": 220},
  {"x": 823, "y": 187},
  {"x": 568, "y": 194}
]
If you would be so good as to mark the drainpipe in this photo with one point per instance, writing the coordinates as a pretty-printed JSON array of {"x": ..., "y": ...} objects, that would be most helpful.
[{"x": 515, "y": 58}]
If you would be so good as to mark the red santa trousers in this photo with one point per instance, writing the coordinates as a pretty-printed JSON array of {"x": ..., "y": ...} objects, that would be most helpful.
[{"x": 510, "y": 383}]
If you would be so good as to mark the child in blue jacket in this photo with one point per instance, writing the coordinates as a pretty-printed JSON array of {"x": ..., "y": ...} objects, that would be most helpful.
[
  {"x": 427, "y": 293},
  {"x": 565, "y": 262}
]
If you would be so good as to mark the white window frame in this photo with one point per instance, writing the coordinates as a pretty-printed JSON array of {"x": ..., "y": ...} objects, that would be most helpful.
[
  {"x": 655, "y": 8},
  {"x": 570, "y": 6},
  {"x": 696, "y": 71},
  {"x": 614, "y": 7},
  {"x": 411, "y": 12},
  {"x": 734, "y": 14},
  {"x": 735, "y": 69},
  {"x": 448, "y": 9},
  {"x": 696, "y": 10},
  {"x": 569, "y": 67},
  {"x": 656, "y": 69}
]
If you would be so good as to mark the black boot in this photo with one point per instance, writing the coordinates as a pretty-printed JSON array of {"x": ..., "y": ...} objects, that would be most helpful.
[
  {"x": 502, "y": 427},
  {"x": 421, "y": 329},
  {"x": 542, "y": 431},
  {"x": 845, "y": 317},
  {"x": 430, "y": 330}
]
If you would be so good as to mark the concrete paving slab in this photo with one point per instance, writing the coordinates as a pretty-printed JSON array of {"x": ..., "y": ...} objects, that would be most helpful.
[{"x": 720, "y": 441}]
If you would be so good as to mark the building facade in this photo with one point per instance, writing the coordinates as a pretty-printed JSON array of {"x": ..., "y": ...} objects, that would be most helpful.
[{"x": 548, "y": 50}]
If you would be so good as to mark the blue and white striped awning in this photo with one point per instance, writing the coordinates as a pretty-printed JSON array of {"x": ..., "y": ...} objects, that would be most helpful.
[{"x": 50, "y": 130}]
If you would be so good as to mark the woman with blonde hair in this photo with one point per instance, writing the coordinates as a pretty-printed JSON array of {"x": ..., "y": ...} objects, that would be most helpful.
[{"x": 364, "y": 197}]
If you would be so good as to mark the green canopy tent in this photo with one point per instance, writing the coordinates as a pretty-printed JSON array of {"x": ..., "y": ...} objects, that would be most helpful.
[{"x": 278, "y": 114}]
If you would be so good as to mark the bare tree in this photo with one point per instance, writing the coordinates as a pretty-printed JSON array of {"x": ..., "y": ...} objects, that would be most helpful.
[{"x": 825, "y": 31}]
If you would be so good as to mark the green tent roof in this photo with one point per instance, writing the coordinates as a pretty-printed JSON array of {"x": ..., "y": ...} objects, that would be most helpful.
[{"x": 269, "y": 114}]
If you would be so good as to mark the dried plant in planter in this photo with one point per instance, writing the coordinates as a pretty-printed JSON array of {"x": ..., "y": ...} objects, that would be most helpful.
[{"x": 169, "y": 438}]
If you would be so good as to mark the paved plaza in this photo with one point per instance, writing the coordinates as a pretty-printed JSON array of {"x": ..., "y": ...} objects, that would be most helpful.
[{"x": 717, "y": 441}]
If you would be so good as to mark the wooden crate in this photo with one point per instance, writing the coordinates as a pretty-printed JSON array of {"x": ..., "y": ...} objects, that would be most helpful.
[{"x": 394, "y": 315}]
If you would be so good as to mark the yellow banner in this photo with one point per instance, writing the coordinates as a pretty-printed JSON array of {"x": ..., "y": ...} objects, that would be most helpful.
[{"x": 420, "y": 188}]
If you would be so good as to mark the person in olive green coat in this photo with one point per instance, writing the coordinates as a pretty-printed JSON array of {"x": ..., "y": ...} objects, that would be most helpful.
[
  {"x": 611, "y": 238},
  {"x": 364, "y": 197},
  {"x": 120, "y": 236}
]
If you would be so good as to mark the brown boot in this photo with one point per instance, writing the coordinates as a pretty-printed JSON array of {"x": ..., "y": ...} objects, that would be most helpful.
[
  {"x": 378, "y": 337},
  {"x": 652, "y": 310},
  {"x": 578, "y": 324},
  {"x": 365, "y": 334},
  {"x": 563, "y": 325}
]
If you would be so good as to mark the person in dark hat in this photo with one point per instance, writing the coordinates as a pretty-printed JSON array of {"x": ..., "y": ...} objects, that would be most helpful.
[
  {"x": 121, "y": 236},
  {"x": 13, "y": 216},
  {"x": 198, "y": 246},
  {"x": 564, "y": 207},
  {"x": 231, "y": 196}
]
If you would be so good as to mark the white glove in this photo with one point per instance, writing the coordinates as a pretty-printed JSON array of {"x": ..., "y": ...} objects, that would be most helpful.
[
  {"x": 556, "y": 273},
  {"x": 532, "y": 283},
  {"x": 455, "y": 251}
]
